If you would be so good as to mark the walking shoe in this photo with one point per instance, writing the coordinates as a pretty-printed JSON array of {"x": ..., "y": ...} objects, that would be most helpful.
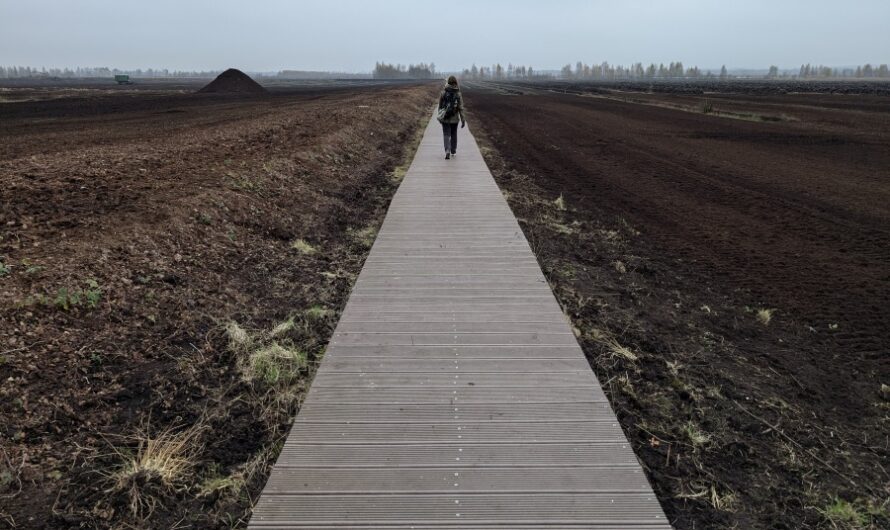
[
  {"x": 447, "y": 156},
  {"x": 453, "y": 153}
]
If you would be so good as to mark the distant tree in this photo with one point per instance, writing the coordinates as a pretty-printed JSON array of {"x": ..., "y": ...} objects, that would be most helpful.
[
  {"x": 773, "y": 72},
  {"x": 566, "y": 71},
  {"x": 677, "y": 69},
  {"x": 723, "y": 73}
]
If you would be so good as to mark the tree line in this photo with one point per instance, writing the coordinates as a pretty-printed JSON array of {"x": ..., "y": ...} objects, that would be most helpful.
[
  {"x": 673, "y": 70},
  {"x": 496, "y": 71},
  {"x": 399, "y": 71},
  {"x": 12, "y": 72},
  {"x": 866, "y": 71}
]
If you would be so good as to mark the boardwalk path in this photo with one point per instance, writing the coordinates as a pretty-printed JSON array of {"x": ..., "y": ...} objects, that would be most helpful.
[{"x": 453, "y": 393}]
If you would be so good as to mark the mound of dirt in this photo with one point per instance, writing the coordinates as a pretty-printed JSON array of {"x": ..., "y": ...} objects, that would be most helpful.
[{"x": 233, "y": 81}]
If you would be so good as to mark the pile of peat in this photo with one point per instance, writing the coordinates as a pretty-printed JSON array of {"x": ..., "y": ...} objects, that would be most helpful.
[{"x": 233, "y": 81}]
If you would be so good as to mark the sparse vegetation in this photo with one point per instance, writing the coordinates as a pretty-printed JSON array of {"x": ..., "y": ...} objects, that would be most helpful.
[
  {"x": 365, "y": 236},
  {"x": 303, "y": 247},
  {"x": 560, "y": 203},
  {"x": 4, "y": 269},
  {"x": 216, "y": 483},
  {"x": 66, "y": 299},
  {"x": 317, "y": 312},
  {"x": 694, "y": 435},
  {"x": 846, "y": 515}
]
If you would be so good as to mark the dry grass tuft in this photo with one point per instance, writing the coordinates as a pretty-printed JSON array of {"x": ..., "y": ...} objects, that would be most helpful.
[
  {"x": 283, "y": 328},
  {"x": 720, "y": 501},
  {"x": 365, "y": 236},
  {"x": 764, "y": 316},
  {"x": 303, "y": 247},
  {"x": 160, "y": 463},
  {"x": 695, "y": 435},
  {"x": 239, "y": 339},
  {"x": 618, "y": 349},
  {"x": 560, "y": 203}
]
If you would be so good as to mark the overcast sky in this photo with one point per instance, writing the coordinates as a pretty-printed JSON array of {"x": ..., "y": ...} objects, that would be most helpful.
[{"x": 350, "y": 35}]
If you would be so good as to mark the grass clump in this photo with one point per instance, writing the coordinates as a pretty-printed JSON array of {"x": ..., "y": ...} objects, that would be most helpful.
[
  {"x": 859, "y": 514},
  {"x": 843, "y": 514},
  {"x": 4, "y": 269},
  {"x": 560, "y": 203},
  {"x": 303, "y": 247},
  {"x": 695, "y": 435},
  {"x": 278, "y": 357},
  {"x": 317, "y": 312},
  {"x": 274, "y": 364},
  {"x": 764, "y": 316},
  {"x": 365, "y": 236},
  {"x": 216, "y": 483}
]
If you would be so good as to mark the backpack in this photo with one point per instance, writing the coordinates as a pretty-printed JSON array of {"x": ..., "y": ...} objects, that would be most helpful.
[{"x": 448, "y": 106}]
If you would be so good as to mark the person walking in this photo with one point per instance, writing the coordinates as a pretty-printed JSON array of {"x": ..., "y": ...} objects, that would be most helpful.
[{"x": 450, "y": 113}]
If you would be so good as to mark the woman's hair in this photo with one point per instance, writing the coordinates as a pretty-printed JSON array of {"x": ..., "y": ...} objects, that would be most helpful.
[{"x": 452, "y": 80}]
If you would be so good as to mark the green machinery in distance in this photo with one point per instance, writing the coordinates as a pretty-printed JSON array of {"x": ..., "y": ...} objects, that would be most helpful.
[{"x": 123, "y": 79}]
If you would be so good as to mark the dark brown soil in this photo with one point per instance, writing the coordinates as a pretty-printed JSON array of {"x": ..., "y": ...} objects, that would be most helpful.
[
  {"x": 680, "y": 226},
  {"x": 743, "y": 87},
  {"x": 134, "y": 230},
  {"x": 233, "y": 81}
]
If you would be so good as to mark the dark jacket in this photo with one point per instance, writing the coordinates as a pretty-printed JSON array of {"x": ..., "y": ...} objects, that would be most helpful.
[{"x": 458, "y": 116}]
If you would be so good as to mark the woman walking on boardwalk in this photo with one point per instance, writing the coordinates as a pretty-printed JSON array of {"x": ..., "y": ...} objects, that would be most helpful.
[{"x": 451, "y": 112}]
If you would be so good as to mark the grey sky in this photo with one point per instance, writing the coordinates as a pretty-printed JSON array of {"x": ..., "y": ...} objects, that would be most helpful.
[{"x": 350, "y": 35}]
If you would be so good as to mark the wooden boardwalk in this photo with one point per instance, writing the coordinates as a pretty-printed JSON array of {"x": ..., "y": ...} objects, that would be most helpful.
[{"x": 453, "y": 393}]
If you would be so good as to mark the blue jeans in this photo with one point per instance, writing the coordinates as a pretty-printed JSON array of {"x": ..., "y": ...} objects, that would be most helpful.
[{"x": 449, "y": 130}]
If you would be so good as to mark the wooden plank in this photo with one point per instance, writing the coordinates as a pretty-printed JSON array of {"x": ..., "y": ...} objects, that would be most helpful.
[
  {"x": 453, "y": 393},
  {"x": 618, "y": 479}
]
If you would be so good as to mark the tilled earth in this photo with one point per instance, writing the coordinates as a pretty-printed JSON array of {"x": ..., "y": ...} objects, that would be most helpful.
[
  {"x": 729, "y": 278},
  {"x": 150, "y": 245}
]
